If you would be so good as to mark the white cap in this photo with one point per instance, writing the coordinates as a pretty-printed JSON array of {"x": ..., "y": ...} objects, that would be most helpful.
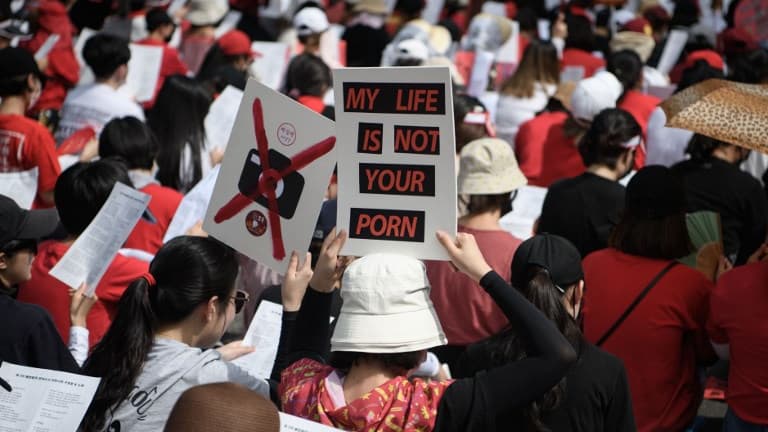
[
  {"x": 595, "y": 94},
  {"x": 386, "y": 307},
  {"x": 310, "y": 20},
  {"x": 206, "y": 12},
  {"x": 412, "y": 49}
]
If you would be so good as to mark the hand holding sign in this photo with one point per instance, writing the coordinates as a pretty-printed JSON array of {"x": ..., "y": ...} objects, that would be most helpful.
[{"x": 330, "y": 266}]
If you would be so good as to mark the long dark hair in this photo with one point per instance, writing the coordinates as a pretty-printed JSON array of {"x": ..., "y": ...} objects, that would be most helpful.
[
  {"x": 177, "y": 119},
  {"x": 538, "y": 65},
  {"x": 188, "y": 271},
  {"x": 507, "y": 346}
]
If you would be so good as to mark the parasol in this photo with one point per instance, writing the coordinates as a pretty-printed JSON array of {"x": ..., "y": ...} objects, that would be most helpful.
[{"x": 728, "y": 111}]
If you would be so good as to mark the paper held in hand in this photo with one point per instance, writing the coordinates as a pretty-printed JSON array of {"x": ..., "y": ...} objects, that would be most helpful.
[
  {"x": 397, "y": 177},
  {"x": 90, "y": 255},
  {"x": 264, "y": 335},
  {"x": 20, "y": 186},
  {"x": 275, "y": 172},
  {"x": 43, "y": 400}
]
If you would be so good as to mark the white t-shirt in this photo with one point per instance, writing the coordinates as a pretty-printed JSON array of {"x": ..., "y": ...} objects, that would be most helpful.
[
  {"x": 513, "y": 111},
  {"x": 94, "y": 105}
]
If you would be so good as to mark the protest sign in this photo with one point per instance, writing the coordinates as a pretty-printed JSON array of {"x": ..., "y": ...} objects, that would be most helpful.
[
  {"x": 270, "y": 67},
  {"x": 20, "y": 186},
  {"x": 221, "y": 117},
  {"x": 90, "y": 255},
  {"x": 193, "y": 206},
  {"x": 276, "y": 169},
  {"x": 397, "y": 178},
  {"x": 43, "y": 400}
]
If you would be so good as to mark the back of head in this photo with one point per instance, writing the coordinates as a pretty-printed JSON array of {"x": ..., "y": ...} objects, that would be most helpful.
[
  {"x": 696, "y": 73},
  {"x": 222, "y": 407},
  {"x": 538, "y": 65},
  {"x": 156, "y": 18},
  {"x": 750, "y": 68},
  {"x": 580, "y": 33},
  {"x": 611, "y": 135},
  {"x": 129, "y": 139},
  {"x": 653, "y": 223},
  {"x": 186, "y": 273},
  {"x": 627, "y": 66},
  {"x": 701, "y": 147},
  {"x": 16, "y": 64},
  {"x": 104, "y": 53},
  {"x": 83, "y": 188},
  {"x": 308, "y": 75},
  {"x": 470, "y": 119}
]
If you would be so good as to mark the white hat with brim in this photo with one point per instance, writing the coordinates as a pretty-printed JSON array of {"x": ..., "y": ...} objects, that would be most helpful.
[
  {"x": 594, "y": 94},
  {"x": 206, "y": 12},
  {"x": 386, "y": 307},
  {"x": 487, "y": 166},
  {"x": 310, "y": 20}
]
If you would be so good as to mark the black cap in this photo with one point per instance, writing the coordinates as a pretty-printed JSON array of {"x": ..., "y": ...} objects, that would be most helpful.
[
  {"x": 655, "y": 192},
  {"x": 17, "y": 62},
  {"x": 19, "y": 224},
  {"x": 157, "y": 17},
  {"x": 554, "y": 253}
]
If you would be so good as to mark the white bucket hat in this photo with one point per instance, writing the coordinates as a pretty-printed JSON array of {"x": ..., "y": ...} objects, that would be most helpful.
[
  {"x": 386, "y": 307},
  {"x": 595, "y": 94},
  {"x": 206, "y": 12},
  {"x": 487, "y": 166}
]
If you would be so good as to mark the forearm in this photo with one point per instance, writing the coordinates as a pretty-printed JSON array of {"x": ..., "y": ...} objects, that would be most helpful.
[{"x": 312, "y": 331}]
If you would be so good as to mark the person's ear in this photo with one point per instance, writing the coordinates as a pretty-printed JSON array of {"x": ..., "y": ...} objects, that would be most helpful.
[
  {"x": 3, "y": 261},
  {"x": 578, "y": 293},
  {"x": 33, "y": 83},
  {"x": 212, "y": 309}
]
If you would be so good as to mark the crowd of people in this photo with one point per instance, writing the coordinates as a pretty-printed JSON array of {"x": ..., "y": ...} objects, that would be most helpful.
[{"x": 590, "y": 322}]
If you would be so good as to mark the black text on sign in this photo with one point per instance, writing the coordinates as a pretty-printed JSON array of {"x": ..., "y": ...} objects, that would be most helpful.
[
  {"x": 393, "y": 179},
  {"x": 394, "y": 98},
  {"x": 380, "y": 224}
]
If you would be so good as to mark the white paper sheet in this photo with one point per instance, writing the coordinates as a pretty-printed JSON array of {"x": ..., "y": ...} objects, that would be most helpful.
[
  {"x": 47, "y": 46},
  {"x": 221, "y": 117},
  {"x": 43, "y": 400},
  {"x": 264, "y": 335},
  {"x": 289, "y": 423},
  {"x": 525, "y": 210},
  {"x": 20, "y": 186},
  {"x": 175, "y": 6},
  {"x": 543, "y": 26},
  {"x": 432, "y": 10},
  {"x": 143, "y": 72},
  {"x": 672, "y": 49},
  {"x": 271, "y": 66},
  {"x": 90, "y": 255},
  {"x": 193, "y": 206},
  {"x": 86, "y": 75},
  {"x": 228, "y": 23},
  {"x": 478, "y": 81}
]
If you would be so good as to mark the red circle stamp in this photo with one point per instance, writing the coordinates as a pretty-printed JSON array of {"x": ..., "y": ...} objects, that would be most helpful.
[
  {"x": 256, "y": 223},
  {"x": 286, "y": 134}
]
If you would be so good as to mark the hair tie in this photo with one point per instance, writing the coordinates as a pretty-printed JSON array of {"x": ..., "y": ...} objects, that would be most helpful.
[{"x": 149, "y": 278}]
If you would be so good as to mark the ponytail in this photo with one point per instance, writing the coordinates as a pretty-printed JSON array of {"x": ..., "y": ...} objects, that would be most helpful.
[{"x": 119, "y": 357}]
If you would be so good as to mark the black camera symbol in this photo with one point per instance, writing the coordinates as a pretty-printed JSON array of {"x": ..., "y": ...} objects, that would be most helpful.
[{"x": 288, "y": 190}]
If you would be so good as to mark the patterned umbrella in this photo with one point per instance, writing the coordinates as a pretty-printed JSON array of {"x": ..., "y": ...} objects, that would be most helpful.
[
  {"x": 751, "y": 15},
  {"x": 732, "y": 112}
]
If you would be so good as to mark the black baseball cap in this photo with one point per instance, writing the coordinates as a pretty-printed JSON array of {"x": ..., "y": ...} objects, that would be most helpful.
[
  {"x": 19, "y": 224},
  {"x": 17, "y": 62},
  {"x": 554, "y": 253}
]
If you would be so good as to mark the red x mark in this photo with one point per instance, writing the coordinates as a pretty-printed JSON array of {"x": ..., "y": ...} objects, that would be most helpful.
[{"x": 269, "y": 179}]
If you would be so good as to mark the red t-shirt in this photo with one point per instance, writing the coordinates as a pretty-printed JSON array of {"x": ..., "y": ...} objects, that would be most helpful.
[
  {"x": 641, "y": 107},
  {"x": 660, "y": 341},
  {"x": 467, "y": 313},
  {"x": 51, "y": 294},
  {"x": 737, "y": 318},
  {"x": 26, "y": 144},
  {"x": 577, "y": 57},
  {"x": 170, "y": 65},
  {"x": 148, "y": 236},
  {"x": 544, "y": 153}
]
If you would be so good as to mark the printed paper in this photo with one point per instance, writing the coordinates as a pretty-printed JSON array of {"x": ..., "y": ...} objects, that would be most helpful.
[
  {"x": 264, "y": 335},
  {"x": 20, "y": 186}
]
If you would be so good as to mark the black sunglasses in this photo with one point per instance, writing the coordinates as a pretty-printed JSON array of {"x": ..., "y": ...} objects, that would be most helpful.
[{"x": 240, "y": 298}]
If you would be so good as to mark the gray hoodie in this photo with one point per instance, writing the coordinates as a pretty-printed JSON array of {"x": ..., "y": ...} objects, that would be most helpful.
[{"x": 171, "y": 368}]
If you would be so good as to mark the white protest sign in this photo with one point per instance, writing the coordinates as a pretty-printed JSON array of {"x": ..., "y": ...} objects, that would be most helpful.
[
  {"x": 47, "y": 47},
  {"x": 397, "y": 176},
  {"x": 289, "y": 423},
  {"x": 143, "y": 72},
  {"x": 90, "y": 255},
  {"x": 193, "y": 206},
  {"x": 672, "y": 50},
  {"x": 228, "y": 23},
  {"x": 264, "y": 335},
  {"x": 526, "y": 209},
  {"x": 270, "y": 67},
  {"x": 276, "y": 169},
  {"x": 221, "y": 117},
  {"x": 43, "y": 400},
  {"x": 20, "y": 186}
]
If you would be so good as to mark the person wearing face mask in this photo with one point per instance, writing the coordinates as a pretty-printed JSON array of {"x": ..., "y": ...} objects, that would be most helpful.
[
  {"x": 488, "y": 175},
  {"x": 160, "y": 28},
  {"x": 24, "y": 143},
  {"x": 608, "y": 150},
  {"x": 714, "y": 181},
  {"x": 594, "y": 394}
]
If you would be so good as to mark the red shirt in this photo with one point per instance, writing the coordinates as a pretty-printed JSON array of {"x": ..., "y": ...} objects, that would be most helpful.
[
  {"x": 148, "y": 236},
  {"x": 660, "y": 341},
  {"x": 641, "y": 107},
  {"x": 577, "y": 57},
  {"x": 467, "y": 313},
  {"x": 170, "y": 65},
  {"x": 26, "y": 144},
  {"x": 737, "y": 318},
  {"x": 544, "y": 153},
  {"x": 51, "y": 294}
]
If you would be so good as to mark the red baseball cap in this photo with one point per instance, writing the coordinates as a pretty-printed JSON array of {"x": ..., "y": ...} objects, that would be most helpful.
[
  {"x": 712, "y": 58},
  {"x": 235, "y": 42},
  {"x": 638, "y": 25}
]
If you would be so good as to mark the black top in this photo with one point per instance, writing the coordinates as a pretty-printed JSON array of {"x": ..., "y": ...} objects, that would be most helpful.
[
  {"x": 719, "y": 186},
  {"x": 29, "y": 338},
  {"x": 596, "y": 392},
  {"x": 365, "y": 45},
  {"x": 584, "y": 210},
  {"x": 470, "y": 404}
]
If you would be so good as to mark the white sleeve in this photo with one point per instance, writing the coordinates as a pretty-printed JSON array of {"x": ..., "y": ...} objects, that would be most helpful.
[{"x": 78, "y": 344}]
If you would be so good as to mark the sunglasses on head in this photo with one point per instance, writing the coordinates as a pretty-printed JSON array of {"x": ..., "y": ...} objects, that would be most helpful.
[{"x": 240, "y": 298}]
